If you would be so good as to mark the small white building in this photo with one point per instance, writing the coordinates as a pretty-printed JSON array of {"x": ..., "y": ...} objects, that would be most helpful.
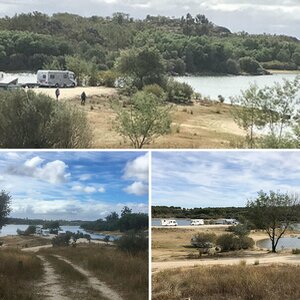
[
  {"x": 168, "y": 222},
  {"x": 197, "y": 222}
]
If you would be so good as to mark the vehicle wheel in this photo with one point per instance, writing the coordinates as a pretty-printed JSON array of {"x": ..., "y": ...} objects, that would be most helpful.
[
  {"x": 64, "y": 86},
  {"x": 56, "y": 85}
]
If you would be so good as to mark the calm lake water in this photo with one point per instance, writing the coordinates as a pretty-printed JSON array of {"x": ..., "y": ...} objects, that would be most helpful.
[
  {"x": 12, "y": 230},
  {"x": 229, "y": 86},
  {"x": 287, "y": 242}
]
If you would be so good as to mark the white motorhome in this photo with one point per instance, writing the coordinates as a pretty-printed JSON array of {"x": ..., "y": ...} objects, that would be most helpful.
[
  {"x": 197, "y": 222},
  {"x": 168, "y": 222},
  {"x": 45, "y": 232},
  {"x": 56, "y": 78}
]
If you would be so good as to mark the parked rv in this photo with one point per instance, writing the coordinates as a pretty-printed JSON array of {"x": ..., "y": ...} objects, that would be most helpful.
[
  {"x": 56, "y": 78},
  {"x": 167, "y": 222},
  {"x": 45, "y": 232},
  {"x": 197, "y": 222}
]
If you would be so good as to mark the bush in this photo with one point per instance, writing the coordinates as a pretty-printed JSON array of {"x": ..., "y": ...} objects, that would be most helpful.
[
  {"x": 108, "y": 78},
  {"x": 233, "y": 67},
  {"x": 28, "y": 120},
  {"x": 61, "y": 241},
  {"x": 155, "y": 89},
  {"x": 203, "y": 240},
  {"x": 133, "y": 243},
  {"x": 178, "y": 92},
  {"x": 296, "y": 251},
  {"x": 231, "y": 242}
]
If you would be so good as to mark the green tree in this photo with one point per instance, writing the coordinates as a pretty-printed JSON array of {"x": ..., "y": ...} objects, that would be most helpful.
[
  {"x": 5, "y": 201},
  {"x": 145, "y": 65},
  {"x": 250, "y": 65},
  {"x": 147, "y": 118},
  {"x": 274, "y": 212},
  {"x": 126, "y": 210},
  {"x": 246, "y": 112},
  {"x": 203, "y": 241}
]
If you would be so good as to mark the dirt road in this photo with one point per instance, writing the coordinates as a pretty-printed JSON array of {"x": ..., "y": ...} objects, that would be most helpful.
[
  {"x": 265, "y": 260},
  {"x": 96, "y": 284},
  {"x": 51, "y": 284}
]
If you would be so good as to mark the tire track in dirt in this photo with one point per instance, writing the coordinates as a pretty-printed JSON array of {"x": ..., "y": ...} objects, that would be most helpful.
[
  {"x": 51, "y": 285},
  {"x": 96, "y": 284}
]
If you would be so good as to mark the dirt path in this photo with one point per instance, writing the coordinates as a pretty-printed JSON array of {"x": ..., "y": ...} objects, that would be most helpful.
[
  {"x": 93, "y": 281},
  {"x": 266, "y": 260},
  {"x": 51, "y": 287},
  {"x": 36, "y": 248}
]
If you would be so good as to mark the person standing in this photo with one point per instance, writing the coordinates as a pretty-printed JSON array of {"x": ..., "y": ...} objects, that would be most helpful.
[
  {"x": 57, "y": 93},
  {"x": 83, "y": 98}
]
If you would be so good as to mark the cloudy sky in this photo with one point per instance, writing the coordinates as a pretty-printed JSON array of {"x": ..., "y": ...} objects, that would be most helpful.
[
  {"x": 254, "y": 16},
  {"x": 221, "y": 179},
  {"x": 74, "y": 185}
]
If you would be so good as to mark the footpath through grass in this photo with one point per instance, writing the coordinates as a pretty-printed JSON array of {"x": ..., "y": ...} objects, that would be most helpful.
[{"x": 123, "y": 272}]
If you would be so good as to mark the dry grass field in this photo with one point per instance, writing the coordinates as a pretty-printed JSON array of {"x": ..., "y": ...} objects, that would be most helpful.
[
  {"x": 196, "y": 126},
  {"x": 228, "y": 282}
]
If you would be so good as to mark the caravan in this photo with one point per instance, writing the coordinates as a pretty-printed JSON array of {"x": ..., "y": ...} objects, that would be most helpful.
[
  {"x": 56, "y": 78},
  {"x": 167, "y": 222},
  {"x": 197, "y": 222}
]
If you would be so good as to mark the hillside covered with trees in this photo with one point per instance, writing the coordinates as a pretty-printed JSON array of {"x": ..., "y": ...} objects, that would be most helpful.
[{"x": 191, "y": 44}]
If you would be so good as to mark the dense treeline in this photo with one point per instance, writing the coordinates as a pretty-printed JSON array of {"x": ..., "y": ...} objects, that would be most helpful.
[
  {"x": 199, "y": 213},
  {"x": 20, "y": 221},
  {"x": 188, "y": 44},
  {"x": 126, "y": 222}
]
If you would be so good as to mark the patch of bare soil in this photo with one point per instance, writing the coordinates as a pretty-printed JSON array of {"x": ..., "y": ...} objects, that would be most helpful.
[
  {"x": 267, "y": 259},
  {"x": 96, "y": 284}
]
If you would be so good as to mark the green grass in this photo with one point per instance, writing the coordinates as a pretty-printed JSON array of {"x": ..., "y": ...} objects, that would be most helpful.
[
  {"x": 228, "y": 282},
  {"x": 18, "y": 272}
]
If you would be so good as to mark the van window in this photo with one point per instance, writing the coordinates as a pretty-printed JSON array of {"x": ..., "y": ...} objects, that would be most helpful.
[
  {"x": 65, "y": 76},
  {"x": 52, "y": 76},
  {"x": 44, "y": 76}
]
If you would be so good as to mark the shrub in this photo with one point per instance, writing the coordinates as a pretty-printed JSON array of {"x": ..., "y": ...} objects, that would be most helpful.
[
  {"x": 108, "y": 78},
  {"x": 178, "y": 92},
  {"x": 133, "y": 243},
  {"x": 233, "y": 66},
  {"x": 228, "y": 242},
  {"x": 296, "y": 251},
  {"x": 28, "y": 120},
  {"x": 61, "y": 241},
  {"x": 155, "y": 89}
]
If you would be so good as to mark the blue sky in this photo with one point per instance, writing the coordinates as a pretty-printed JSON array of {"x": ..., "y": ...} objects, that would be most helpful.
[
  {"x": 253, "y": 16},
  {"x": 74, "y": 185},
  {"x": 220, "y": 179}
]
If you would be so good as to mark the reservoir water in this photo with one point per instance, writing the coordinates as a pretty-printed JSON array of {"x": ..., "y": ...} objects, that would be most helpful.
[
  {"x": 286, "y": 242},
  {"x": 12, "y": 230},
  {"x": 229, "y": 86}
]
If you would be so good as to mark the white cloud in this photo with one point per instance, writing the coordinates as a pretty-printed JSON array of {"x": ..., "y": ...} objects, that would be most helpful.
[
  {"x": 89, "y": 189},
  {"x": 53, "y": 172},
  {"x": 137, "y": 188},
  {"x": 101, "y": 189},
  {"x": 138, "y": 169},
  {"x": 86, "y": 189},
  {"x": 85, "y": 177}
]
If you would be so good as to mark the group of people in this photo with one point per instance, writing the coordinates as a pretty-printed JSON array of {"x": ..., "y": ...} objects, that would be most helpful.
[{"x": 82, "y": 96}]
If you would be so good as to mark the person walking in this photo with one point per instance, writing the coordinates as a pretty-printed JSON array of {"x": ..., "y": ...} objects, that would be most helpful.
[
  {"x": 83, "y": 98},
  {"x": 57, "y": 93}
]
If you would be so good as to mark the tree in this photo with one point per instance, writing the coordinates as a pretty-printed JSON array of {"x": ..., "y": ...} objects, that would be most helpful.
[
  {"x": 246, "y": 112},
  {"x": 145, "y": 65},
  {"x": 274, "y": 213},
  {"x": 5, "y": 201},
  {"x": 250, "y": 65},
  {"x": 147, "y": 118},
  {"x": 126, "y": 210}
]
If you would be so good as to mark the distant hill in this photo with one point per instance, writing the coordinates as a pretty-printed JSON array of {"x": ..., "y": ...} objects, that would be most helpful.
[{"x": 190, "y": 44}]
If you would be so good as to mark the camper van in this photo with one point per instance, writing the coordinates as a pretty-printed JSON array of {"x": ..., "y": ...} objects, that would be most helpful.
[
  {"x": 56, "y": 78},
  {"x": 197, "y": 222},
  {"x": 168, "y": 222}
]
